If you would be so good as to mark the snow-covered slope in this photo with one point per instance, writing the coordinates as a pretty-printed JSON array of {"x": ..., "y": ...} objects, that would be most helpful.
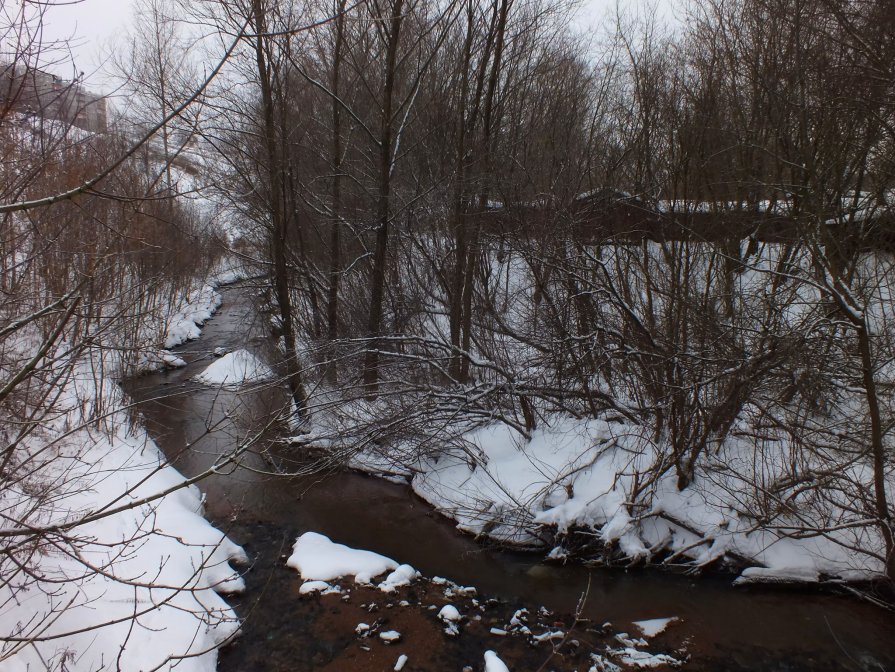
[{"x": 109, "y": 561}]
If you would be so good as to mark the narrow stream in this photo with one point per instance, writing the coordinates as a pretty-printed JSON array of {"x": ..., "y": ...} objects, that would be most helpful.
[{"x": 727, "y": 628}]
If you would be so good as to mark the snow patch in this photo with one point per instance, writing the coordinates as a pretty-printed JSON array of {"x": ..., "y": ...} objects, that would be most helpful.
[
  {"x": 549, "y": 636},
  {"x": 653, "y": 626},
  {"x": 449, "y": 613},
  {"x": 318, "y": 559},
  {"x": 235, "y": 369},
  {"x": 402, "y": 576},
  {"x": 309, "y": 587},
  {"x": 494, "y": 664},
  {"x": 390, "y": 636},
  {"x": 777, "y": 575},
  {"x": 644, "y": 659}
]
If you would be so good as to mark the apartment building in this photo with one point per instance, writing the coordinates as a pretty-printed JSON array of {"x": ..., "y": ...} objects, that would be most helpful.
[{"x": 32, "y": 91}]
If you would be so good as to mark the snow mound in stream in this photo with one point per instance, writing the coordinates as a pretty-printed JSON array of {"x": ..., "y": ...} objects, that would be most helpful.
[
  {"x": 235, "y": 369},
  {"x": 654, "y": 626},
  {"x": 318, "y": 559},
  {"x": 494, "y": 664}
]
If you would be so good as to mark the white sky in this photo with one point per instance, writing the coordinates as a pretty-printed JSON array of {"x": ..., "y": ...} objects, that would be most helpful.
[{"x": 91, "y": 26}]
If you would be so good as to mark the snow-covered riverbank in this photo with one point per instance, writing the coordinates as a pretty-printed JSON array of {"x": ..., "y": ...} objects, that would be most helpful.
[
  {"x": 599, "y": 485},
  {"x": 117, "y": 567},
  {"x": 572, "y": 485}
]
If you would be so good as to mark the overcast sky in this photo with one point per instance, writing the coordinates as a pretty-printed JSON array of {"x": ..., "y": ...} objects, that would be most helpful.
[
  {"x": 88, "y": 26},
  {"x": 91, "y": 25}
]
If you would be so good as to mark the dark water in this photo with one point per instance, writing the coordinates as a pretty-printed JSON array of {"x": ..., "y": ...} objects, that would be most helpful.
[{"x": 728, "y": 628}]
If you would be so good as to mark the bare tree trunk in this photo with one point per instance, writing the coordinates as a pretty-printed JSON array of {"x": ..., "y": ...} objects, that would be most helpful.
[
  {"x": 380, "y": 254},
  {"x": 455, "y": 290},
  {"x": 487, "y": 160},
  {"x": 163, "y": 89},
  {"x": 335, "y": 234},
  {"x": 279, "y": 218},
  {"x": 877, "y": 448}
]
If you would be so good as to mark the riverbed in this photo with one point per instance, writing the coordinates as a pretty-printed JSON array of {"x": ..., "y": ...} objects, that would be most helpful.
[{"x": 721, "y": 627}]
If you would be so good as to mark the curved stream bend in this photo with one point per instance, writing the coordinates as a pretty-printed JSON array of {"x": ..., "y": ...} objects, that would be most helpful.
[{"x": 739, "y": 629}]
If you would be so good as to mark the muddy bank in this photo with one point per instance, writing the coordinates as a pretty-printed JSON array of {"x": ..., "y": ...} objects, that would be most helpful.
[{"x": 754, "y": 628}]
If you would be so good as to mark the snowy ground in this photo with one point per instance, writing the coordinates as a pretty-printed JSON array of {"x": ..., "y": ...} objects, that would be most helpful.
[
  {"x": 579, "y": 474},
  {"x": 111, "y": 564},
  {"x": 185, "y": 324},
  {"x": 136, "y": 589}
]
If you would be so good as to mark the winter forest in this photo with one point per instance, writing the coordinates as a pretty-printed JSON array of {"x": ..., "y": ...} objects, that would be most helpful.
[{"x": 599, "y": 321}]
